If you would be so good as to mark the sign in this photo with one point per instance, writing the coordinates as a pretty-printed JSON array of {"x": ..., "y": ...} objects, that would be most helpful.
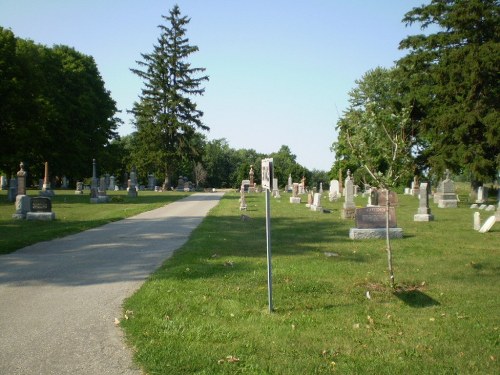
[{"x": 267, "y": 173}]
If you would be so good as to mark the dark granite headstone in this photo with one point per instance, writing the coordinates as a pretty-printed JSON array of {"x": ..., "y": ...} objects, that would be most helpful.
[{"x": 40, "y": 204}]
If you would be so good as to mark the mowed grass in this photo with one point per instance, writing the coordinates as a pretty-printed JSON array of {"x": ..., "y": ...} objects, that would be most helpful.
[
  {"x": 205, "y": 310},
  {"x": 74, "y": 213}
]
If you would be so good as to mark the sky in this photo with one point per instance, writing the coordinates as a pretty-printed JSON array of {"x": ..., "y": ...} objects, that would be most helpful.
[{"x": 280, "y": 70}]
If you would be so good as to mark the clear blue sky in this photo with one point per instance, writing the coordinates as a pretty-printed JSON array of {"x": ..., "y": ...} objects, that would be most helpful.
[{"x": 280, "y": 70}]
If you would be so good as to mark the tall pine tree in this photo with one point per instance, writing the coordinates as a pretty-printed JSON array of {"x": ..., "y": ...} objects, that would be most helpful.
[
  {"x": 454, "y": 79},
  {"x": 166, "y": 117}
]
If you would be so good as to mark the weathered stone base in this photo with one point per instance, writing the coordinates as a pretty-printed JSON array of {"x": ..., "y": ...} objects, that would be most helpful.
[
  {"x": 294, "y": 199},
  {"x": 316, "y": 208},
  {"x": 448, "y": 203},
  {"x": 361, "y": 234},
  {"x": 47, "y": 216},
  {"x": 423, "y": 217}
]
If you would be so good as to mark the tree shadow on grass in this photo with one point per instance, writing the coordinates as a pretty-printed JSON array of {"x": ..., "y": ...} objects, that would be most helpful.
[{"x": 413, "y": 297}]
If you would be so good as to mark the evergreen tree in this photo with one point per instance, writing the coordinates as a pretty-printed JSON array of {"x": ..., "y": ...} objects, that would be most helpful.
[
  {"x": 166, "y": 117},
  {"x": 454, "y": 84}
]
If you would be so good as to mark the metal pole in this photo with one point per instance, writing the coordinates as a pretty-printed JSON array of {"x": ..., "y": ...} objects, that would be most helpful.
[{"x": 268, "y": 238}]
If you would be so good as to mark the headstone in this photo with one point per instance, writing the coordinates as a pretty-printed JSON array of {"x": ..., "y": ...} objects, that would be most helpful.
[
  {"x": 321, "y": 188},
  {"x": 289, "y": 185},
  {"x": 424, "y": 212},
  {"x": 94, "y": 182},
  {"x": 252, "y": 187},
  {"x": 65, "y": 183},
  {"x": 295, "y": 193},
  {"x": 40, "y": 209},
  {"x": 302, "y": 185},
  {"x": 245, "y": 185},
  {"x": 407, "y": 191},
  {"x": 11, "y": 195},
  {"x": 448, "y": 198},
  {"x": 371, "y": 222},
  {"x": 112, "y": 184},
  {"x": 373, "y": 197},
  {"x": 382, "y": 198},
  {"x": 310, "y": 198},
  {"x": 3, "y": 183},
  {"x": 482, "y": 194},
  {"x": 474, "y": 205},
  {"x": 132, "y": 185},
  {"x": 488, "y": 224},
  {"x": 243, "y": 201},
  {"x": 21, "y": 180},
  {"x": 477, "y": 220},
  {"x": 334, "y": 192},
  {"x": 79, "y": 187},
  {"x": 151, "y": 182},
  {"x": 22, "y": 206},
  {"x": 316, "y": 204},
  {"x": 46, "y": 189},
  {"x": 276, "y": 190},
  {"x": 415, "y": 187},
  {"x": 349, "y": 208},
  {"x": 482, "y": 207},
  {"x": 490, "y": 208}
]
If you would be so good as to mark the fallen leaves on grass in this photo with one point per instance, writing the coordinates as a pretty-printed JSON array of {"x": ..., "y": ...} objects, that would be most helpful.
[{"x": 228, "y": 359}]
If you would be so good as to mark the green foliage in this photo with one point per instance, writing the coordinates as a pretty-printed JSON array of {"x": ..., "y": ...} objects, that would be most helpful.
[
  {"x": 166, "y": 117},
  {"x": 453, "y": 78},
  {"x": 375, "y": 132},
  {"x": 53, "y": 104}
]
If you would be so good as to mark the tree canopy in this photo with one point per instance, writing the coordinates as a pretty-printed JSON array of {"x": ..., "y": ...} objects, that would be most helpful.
[
  {"x": 166, "y": 117},
  {"x": 453, "y": 80}
]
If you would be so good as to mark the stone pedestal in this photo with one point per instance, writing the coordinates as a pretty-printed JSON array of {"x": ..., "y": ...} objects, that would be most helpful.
[
  {"x": 295, "y": 200},
  {"x": 361, "y": 234},
  {"x": 23, "y": 203}
]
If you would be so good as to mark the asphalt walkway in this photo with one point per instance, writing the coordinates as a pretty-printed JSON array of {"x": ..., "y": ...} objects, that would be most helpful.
[{"x": 59, "y": 299}]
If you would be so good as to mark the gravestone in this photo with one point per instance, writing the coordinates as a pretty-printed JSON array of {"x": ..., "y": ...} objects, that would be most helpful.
[
  {"x": 79, "y": 188},
  {"x": 276, "y": 190},
  {"x": 373, "y": 197},
  {"x": 302, "y": 185},
  {"x": 151, "y": 182},
  {"x": 11, "y": 195},
  {"x": 371, "y": 223},
  {"x": 251, "y": 188},
  {"x": 424, "y": 212},
  {"x": 382, "y": 198},
  {"x": 348, "y": 208},
  {"x": 112, "y": 184},
  {"x": 22, "y": 206},
  {"x": 482, "y": 194},
  {"x": 65, "y": 183},
  {"x": 477, "y": 220},
  {"x": 488, "y": 224},
  {"x": 321, "y": 188},
  {"x": 316, "y": 204},
  {"x": 132, "y": 184},
  {"x": 3, "y": 183},
  {"x": 245, "y": 185},
  {"x": 243, "y": 201},
  {"x": 46, "y": 189},
  {"x": 415, "y": 187},
  {"x": 21, "y": 180},
  {"x": 289, "y": 185},
  {"x": 40, "y": 209},
  {"x": 448, "y": 197},
  {"x": 310, "y": 198},
  {"x": 295, "y": 193},
  {"x": 334, "y": 192}
]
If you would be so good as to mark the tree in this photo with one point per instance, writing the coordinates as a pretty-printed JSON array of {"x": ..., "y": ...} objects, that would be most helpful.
[
  {"x": 375, "y": 132},
  {"x": 166, "y": 118},
  {"x": 454, "y": 84}
]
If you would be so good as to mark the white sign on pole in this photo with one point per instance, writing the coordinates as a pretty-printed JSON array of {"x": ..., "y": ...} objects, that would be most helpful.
[
  {"x": 267, "y": 178},
  {"x": 267, "y": 173}
]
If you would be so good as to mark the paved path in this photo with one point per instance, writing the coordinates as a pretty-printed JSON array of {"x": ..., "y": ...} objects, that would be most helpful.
[{"x": 59, "y": 299}]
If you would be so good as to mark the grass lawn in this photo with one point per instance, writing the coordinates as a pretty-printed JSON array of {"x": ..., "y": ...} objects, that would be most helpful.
[
  {"x": 74, "y": 213},
  {"x": 205, "y": 310}
]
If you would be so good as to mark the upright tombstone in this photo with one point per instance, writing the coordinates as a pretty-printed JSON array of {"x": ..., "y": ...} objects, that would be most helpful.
[
  {"x": 349, "y": 208},
  {"x": 310, "y": 197},
  {"x": 151, "y": 181},
  {"x": 79, "y": 188},
  {"x": 482, "y": 194},
  {"x": 40, "y": 209},
  {"x": 321, "y": 188},
  {"x": 22, "y": 206},
  {"x": 289, "y": 185},
  {"x": 3, "y": 183},
  {"x": 132, "y": 185},
  {"x": 46, "y": 190},
  {"x": 112, "y": 183},
  {"x": 94, "y": 183},
  {"x": 415, "y": 187},
  {"x": 371, "y": 222},
  {"x": 243, "y": 201},
  {"x": 302, "y": 185},
  {"x": 251, "y": 188},
  {"x": 11, "y": 195},
  {"x": 424, "y": 212},
  {"x": 245, "y": 185},
  {"x": 334, "y": 192},
  {"x": 448, "y": 197},
  {"x": 382, "y": 198},
  {"x": 21, "y": 180},
  {"x": 373, "y": 197},
  {"x": 276, "y": 190},
  {"x": 295, "y": 198},
  {"x": 477, "y": 220},
  {"x": 316, "y": 205}
]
